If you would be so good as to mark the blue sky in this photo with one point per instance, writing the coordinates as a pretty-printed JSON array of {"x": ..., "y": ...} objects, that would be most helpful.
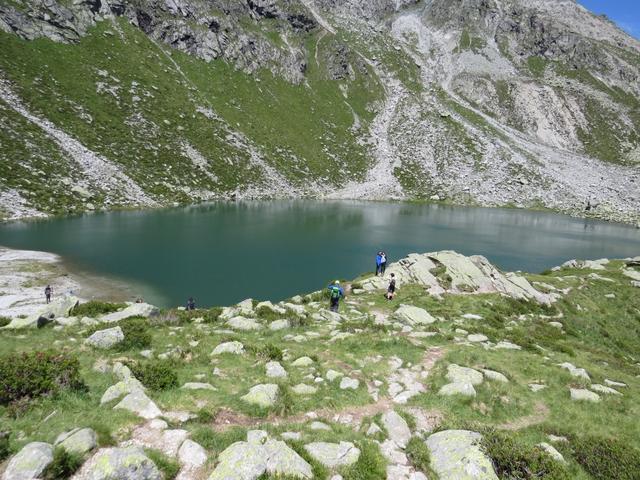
[{"x": 626, "y": 13}]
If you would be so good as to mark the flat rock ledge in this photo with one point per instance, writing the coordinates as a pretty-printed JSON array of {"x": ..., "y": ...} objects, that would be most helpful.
[{"x": 456, "y": 455}]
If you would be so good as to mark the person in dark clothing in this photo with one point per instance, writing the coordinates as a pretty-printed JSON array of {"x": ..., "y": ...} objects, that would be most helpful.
[
  {"x": 391, "y": 290},
  {"x": 383, "y": 263},
  {"x": 48, "y": 293},
  {"x": 335, "y": 294},
  {"x": 191, "y": 304}
]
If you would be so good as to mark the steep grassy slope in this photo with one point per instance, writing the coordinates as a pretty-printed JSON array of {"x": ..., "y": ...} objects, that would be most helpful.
[{"x": 528, "y": 104}]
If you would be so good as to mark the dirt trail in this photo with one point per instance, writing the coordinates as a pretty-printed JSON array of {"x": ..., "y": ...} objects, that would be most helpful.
[{"x": 539, "y": 415}]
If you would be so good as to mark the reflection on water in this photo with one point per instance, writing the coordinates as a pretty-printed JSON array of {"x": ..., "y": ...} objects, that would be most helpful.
[{"x": 224, "y": 252}]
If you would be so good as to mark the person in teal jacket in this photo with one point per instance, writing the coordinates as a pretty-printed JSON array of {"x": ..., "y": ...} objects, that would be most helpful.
[{"x": 335, "y": 294}]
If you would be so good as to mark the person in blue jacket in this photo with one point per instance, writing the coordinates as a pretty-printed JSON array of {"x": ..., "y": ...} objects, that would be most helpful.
[
  {"x": 335, "y": 294},
  {"x": 378, "y": 263}
]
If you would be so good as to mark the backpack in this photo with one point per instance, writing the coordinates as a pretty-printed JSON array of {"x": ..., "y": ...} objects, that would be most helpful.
[{"x": 335, "y": 293}]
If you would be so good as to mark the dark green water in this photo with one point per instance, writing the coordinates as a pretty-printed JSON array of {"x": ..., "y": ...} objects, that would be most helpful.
[{"x": 225, "y": 252}]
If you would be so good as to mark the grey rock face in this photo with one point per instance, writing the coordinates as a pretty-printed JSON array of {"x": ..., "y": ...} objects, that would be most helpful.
[
  {"x": 397, "y": 428},
  {"x": 30, "y": 462}
]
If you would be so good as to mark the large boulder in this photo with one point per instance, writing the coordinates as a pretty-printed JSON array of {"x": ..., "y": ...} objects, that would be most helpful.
[
  {"x": 30, "y": 462},
  {"x": 275, "y": 370},
  {"x": 263, "y": 395},
  {"x": 106, "y": 338},
  {"x": 133, "y": 310},
  {"x": 121, "y": 389},
  {"x": 333, "y": 455},
  {"x": 456, "y": 455},
  {"x": 60, "y": 307},
  {"x": 77, "y": 440},
  {"x": 413, "y": 315},
  {"x": 129, "y": 463}
]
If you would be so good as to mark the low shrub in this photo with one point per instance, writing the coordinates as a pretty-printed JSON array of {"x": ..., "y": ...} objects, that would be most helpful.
[
  {"x": 265, "y": 313},
  {"x": 606, "y": 458},
  {"x": 514, "y": 460},
  {"x": 4, "y": 321},
  {"x": 156, "y": 374},
  {"x": 30, "y": 375},
  {"x": 166, "y": 465},
  {"x": 370, "y": 465},
  {"x": 137, "y": 334},
  {"x": 95, "y": 308},
  {"x": 64, "y": 465},
  {"x": 267, "y": 351}
]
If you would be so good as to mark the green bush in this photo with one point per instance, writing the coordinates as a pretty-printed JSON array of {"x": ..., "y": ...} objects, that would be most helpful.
[
  {"x": 4, "y": 321},
  {"x": 64, "y": 464},
  {"x": 94, "y": 309},
  {"x": 370, "y": 465},
  {"x": 30, "y": 375},
  {"x": 137, "y": 334},
  {"x": 606, "y": 458},
  {"x": 166, "y": 465},
  {"x": 156, "y": 374},
  {"x": 5, "y": 451},
  {"x": 267, "y": 351},
  {"x": 514, "y": 460}
]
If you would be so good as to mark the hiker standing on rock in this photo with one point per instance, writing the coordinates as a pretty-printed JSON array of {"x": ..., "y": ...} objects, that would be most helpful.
[
  {"x": 335, "y": 293},
  {"x": 383, "y": 263},
  {"x": 391, "y": 290},
  {"x": 378, "y": 262},
  {"x": 48, "y": 292}
]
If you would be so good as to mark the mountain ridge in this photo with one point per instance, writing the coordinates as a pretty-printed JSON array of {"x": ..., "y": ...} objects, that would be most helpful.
[{"x": 496, "y": 103}]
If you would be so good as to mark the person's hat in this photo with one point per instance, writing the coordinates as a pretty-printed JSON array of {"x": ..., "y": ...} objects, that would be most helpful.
[{"x": 337, "y": 282}]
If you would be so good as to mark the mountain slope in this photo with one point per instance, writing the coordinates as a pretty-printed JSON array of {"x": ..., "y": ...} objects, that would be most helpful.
[{"x": 118, "y": 104}]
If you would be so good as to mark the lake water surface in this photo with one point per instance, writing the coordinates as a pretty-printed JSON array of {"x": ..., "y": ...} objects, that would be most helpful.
[{"x": 225, "y": 252}]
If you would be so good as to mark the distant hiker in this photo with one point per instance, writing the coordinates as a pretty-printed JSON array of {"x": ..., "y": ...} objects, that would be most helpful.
[
  {"x": 139, "y": 300},
  {"x": 48, "y": 292},
  {"x": 383, "y": 263},
  {"x": 191, "y": 304},
  {"x": 391, "y": 290},
  {"x": 335, "y": 293},
  {"x": 588, "y": 207},
  {"x": 378, "y": 262}
]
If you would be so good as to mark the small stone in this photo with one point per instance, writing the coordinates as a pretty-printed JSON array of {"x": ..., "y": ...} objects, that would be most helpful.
[
  {"x": 235, "y": 348},
  {"x": 477, "y": 338},
  {"x": 192, "y": 454},
  {"x": 302, "y": 389},
  {"x": 332, "y": 375},
  {"x": 275, "y": 370},
  {"x": 553, "y": 453},
  {"x": 319, "y": 426},
  {"x": 349, "y": 383},
  {"x": 464, "y": 389},
  {"x": 458, "y": 374},
  {"x": 582, "y": 394},
  {"x": 495, "y": 376},
  {"x": 536, "y": 387},
  {"x": 198, "y": 386},
  {"x": 302, "y": 362},
  {"x": 611, "y": 383},
  {"x": 603, "y": 389},
  {"x": 279, "y": 325},
  {"x": 264, "y": 395}
]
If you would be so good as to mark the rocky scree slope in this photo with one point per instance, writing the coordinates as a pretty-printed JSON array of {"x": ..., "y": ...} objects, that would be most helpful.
[{"x": 110, "y": 104}]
